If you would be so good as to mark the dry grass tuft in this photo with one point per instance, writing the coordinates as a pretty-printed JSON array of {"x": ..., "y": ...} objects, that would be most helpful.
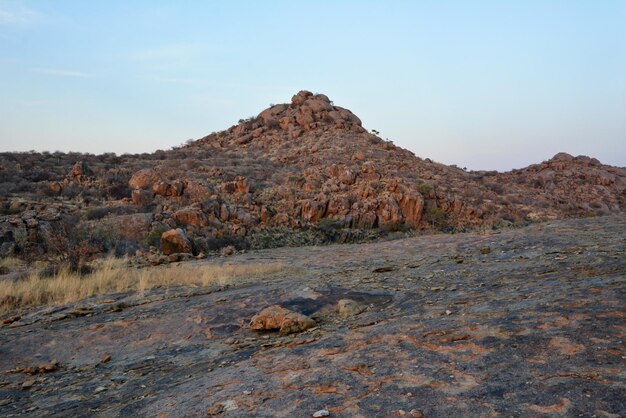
[
  {"x": 114, "y": 275},
  {"x": 11, "y": 262}
]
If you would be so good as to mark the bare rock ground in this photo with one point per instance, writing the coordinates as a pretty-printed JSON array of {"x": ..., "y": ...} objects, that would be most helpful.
[{"x": 525, "y": 322}]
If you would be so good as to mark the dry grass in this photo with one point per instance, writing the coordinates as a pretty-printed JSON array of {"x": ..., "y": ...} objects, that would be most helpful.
[
  {"x": 113, "y": 275},
  {"x": 10, "y": 262}
]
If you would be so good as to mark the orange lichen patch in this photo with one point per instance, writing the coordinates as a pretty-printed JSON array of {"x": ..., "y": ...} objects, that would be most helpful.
[
  {"x": 482, "y": 331},
  {"x": 561, "y": 407},
  {"x": 565, "y": 346},
  {"x": 614, "y": 351},
  {"x": 336, "y": 387},
  {"x": 555, "y": 323},
  {"x": 536, "y": 360},
  {"x": 612, "y": 314},
  {"x": 471, "y": 347},
  {"x": 301, "y": 342},
  {"x": 361, "y": 369}
]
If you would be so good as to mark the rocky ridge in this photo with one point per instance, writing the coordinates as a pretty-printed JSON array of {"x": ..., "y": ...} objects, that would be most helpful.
[{"x": 305, "y": 172}]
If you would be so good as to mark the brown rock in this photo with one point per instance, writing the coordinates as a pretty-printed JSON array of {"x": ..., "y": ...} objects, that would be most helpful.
[
  {"x": 312, "y": 210},
  {"x": 175, "y": 241},
  {"x": 163, "y": 188},
  {"x": 143, "y": 179},
  {"x": 241, "y": 186},
  {"x": 133, "y": 227},
  {"x": 190, "y": 216},
  {"x": 299, "y": 98},
  {"x": 286, "y": 321}
]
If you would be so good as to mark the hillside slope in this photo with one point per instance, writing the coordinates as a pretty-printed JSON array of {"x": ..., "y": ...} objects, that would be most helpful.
[{"x": 298, "y": 173}]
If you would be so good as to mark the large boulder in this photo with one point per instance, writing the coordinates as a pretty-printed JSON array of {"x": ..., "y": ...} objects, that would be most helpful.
[
  {"x": 143, "y": 179},
  {"x": 175, "y": 241}
]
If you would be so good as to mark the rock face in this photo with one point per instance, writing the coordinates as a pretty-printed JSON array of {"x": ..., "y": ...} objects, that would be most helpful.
[
  {"x": 282, "y": 319},
  {"x": 308, "y": 167},
  {"x": 175, "y": 241}
]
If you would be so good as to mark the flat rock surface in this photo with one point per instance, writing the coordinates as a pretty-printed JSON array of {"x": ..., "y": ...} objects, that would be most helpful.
[{"x": 524, "y": 322}]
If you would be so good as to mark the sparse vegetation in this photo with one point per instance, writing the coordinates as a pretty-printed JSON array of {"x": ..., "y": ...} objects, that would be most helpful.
[{"x": 113, "y": 275}]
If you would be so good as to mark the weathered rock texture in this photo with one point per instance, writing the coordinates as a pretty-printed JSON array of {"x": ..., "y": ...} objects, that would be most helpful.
[{"x": 534, "y": 328}]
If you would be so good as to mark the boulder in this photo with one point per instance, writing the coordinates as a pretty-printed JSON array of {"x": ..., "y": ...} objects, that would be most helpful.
[
  {"x": 300, "y": 98},
  {"x": 278, "y": 318},
  {"x": 133, "y": 227},
  {"x": 190, "y": 216},
  {"x": 163, "y": 188},
  {"x": 143, "y": 179},
  {"x": 175, "y": 241}
]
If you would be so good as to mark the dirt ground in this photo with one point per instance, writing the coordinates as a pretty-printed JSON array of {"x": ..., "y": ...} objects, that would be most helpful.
[{"x": 517, "y": 323}]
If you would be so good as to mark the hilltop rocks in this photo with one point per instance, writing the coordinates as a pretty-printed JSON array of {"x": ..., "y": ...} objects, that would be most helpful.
[
  {"x": 175, "y": 241},
  {"x": 307, "y": 112}
]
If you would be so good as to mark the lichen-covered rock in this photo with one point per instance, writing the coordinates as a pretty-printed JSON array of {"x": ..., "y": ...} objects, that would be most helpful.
[{"x": 278, "y": 318}]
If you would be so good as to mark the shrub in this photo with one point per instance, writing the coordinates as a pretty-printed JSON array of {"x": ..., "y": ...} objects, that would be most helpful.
[
  {"x": 424, "y": 188},
  {"x": 435, "y": 216}
]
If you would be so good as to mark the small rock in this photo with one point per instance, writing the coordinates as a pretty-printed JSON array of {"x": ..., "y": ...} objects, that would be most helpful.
[
  {"x": 485, "y": 250},
  {"x": 50, "y": 367},
  {"x": 321, "y": 413},
  {"x": 349, "y": 307},
  {"x": 230, "y": 340},
  {"x": 28, "y": 384},
  {"x": 5, "y": 402},
  {"x": 100, "y": 389},
  {"x": 229, "y": 405},
  {"x": 415, "y": 413},
  {"x": 448, "y": 312},
  {"x": 11, "y": 320},
  {"x": 105, "y": 359}
]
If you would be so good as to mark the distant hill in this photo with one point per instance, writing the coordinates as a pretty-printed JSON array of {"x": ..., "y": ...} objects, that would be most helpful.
[{"x": 300, "y": 173}]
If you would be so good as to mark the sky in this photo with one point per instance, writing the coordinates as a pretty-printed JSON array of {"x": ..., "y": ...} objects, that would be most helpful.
[{"x": 480, "y": 84}]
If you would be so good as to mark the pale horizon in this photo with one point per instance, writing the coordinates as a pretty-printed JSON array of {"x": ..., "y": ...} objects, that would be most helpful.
[{"x": 482, "y": 85}]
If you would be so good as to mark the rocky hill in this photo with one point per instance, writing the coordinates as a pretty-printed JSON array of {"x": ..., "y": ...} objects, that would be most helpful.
[{"x": 306, "y": 172}]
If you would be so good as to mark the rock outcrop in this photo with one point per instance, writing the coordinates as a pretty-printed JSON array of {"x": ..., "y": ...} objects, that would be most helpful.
[{"x": 308, "y": 167}]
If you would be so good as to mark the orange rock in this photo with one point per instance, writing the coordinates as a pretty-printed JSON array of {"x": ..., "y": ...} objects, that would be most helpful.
[
  {"x": 175, "y": 241},
  {"x": 278, "y": 318}
]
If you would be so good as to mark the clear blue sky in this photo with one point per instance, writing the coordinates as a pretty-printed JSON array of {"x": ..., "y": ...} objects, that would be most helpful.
[{"x": 482, "y": 84}]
